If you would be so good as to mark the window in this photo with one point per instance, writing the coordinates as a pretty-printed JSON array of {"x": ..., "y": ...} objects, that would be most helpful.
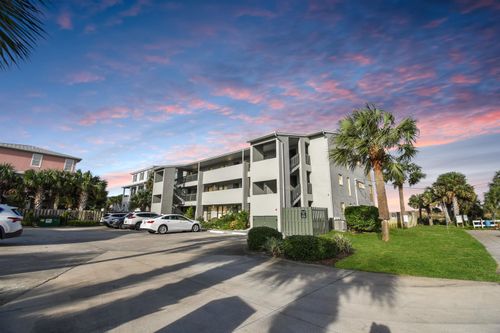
[
  {"x": 349, "y": 185},
  {"x": 68, "y": 165},
  {"x": 341, "y": 180},
  {"x": 134, "y": 179},
  {"x": 141, "y": 176},
  {"x": 36, "y": 160}
]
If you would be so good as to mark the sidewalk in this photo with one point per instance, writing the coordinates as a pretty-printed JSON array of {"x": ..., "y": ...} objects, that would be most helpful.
[{"x": 491, "y": 240}]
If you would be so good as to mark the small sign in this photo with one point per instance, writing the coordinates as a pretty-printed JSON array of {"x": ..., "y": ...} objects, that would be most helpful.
[
  {"x": 48, "y": 221},
  {"x": 303, "y": 214},
  {"x": 406, "y": 219}
]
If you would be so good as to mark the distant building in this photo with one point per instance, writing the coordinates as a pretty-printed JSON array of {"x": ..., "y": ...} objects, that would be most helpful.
[
  {"x": 139, "y": 180},
  {"x": 24, "y": 157}
]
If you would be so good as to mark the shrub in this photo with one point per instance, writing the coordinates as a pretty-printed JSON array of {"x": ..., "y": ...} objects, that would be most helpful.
[
  {"x": 29, "y": 219},
  {"x": 342, "y": 243},
  {"x": 273, "y": 246},
  {"x": 362, "y": 218},
  {"x": 309, "y": 248},
  {"x": 82, "y": 223},
  {"x": 190, "y": 212},
  {"x": 258, "y": 236},
  {"x": 229, "y": 221}
]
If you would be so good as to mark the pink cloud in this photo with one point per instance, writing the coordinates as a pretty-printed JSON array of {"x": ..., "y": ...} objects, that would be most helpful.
[
  {"x": 64, "y": 20},
  {"x": 276, "y": 104},
  {"x": 382, "y": 83},
  {"x": 428, "y": 91},
  {"x": 155, "y": 59},
  {"x": 240, "y": 94},
  {"x": 108, "y": 114},
  {"x": 360, "y": 58},
  {"x": 117, "y": 179},
  {"x": 201, "y": 104},
  {"x": 472, "y": 5},
  {"x": 173, "y": 109},
  {"x": 332, "y": 88},
  {"x": 82, "y": 77},
  {"x": 462, "y": 79},
  {"x": 435, "y": 23},
  {"x": 448, "y": 126}
]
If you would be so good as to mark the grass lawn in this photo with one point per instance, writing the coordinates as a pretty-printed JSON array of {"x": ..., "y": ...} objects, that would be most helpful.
[{"x": 422, "y": 251}]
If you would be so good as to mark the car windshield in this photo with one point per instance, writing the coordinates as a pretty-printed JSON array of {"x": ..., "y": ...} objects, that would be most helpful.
[{"x": 18, "y": 213}]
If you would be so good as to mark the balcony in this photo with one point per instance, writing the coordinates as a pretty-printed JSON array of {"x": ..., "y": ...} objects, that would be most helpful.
[
  {"x": 223, "y": 197},
  {"x": 295, "y": 193},
  {"x": 187, "y": 179},
  {"x": 223, "y": 174}
]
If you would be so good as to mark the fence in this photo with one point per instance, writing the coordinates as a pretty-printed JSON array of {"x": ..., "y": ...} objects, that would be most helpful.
[
  {"x": 305, "y": 221},
  {"x": 84, "y": 215}
]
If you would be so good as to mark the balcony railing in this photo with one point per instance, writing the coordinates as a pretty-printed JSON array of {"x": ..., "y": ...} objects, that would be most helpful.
[
  {"x": 189, "y": 197},
  {"x": 295, "y": 192},
  {"x": 184, "y": 196},
  {"x": 309, "y": 188},
  {"x": 294, "y": 161},
  {"x": 188, "y": 178}
]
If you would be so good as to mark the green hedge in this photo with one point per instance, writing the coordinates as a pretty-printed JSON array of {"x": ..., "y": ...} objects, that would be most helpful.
[
  {"x": 78, "y": 223},
  {"x": 362, "y": 218},
  {"x": 309, "y": 248},
  {"x": 258, "y": 236}
]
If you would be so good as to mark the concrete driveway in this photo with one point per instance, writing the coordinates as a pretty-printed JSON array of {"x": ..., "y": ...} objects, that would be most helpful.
[{"x": 97, "y": 279}]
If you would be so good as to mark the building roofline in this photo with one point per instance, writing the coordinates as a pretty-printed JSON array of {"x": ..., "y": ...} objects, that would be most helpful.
[
  {"x": 37, "y": 150},
  {"x": 276, "y": 133}
]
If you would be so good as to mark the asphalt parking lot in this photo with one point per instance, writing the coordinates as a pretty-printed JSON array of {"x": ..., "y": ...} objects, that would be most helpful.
[{"x": 99, "y": 279}]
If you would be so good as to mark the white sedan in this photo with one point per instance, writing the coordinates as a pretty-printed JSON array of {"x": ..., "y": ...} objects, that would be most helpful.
[{"x": 170, "y": 223}]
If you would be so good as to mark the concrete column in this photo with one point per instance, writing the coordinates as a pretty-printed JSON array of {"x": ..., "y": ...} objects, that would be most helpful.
[
  {"x": 199, "y": 194},
  {"x": 244, "y": 182},
  {"x": 303, "y": 172},
  {"x": 283, "y": 182}
]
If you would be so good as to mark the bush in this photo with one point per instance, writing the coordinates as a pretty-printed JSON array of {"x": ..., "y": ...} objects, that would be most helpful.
[
  {"x": 231, "y": 221},
  {"x": 362, "y": 218},
  {"x": 79, "y": 223},
  {"x": 273, "y": 246},
  {"x": 309, "y": 248},
  {"x": 342, "y": 243},
  {"x": 190, "y": 212},
  {"x": 258, "y": 236}
]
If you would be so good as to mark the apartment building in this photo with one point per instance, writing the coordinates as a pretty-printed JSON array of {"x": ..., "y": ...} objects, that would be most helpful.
[
  {"x": 277, "y": 170},
  {"x": 25, "y": 157},
  {"x": 139, "y": 180}
]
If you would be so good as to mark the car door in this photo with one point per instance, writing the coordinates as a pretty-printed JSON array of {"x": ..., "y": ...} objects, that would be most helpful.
[
  {"x": 184, "y": 223},
  {"x": 173, "y": 223}
]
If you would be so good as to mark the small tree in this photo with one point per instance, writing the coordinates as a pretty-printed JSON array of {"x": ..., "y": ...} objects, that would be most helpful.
[
  {"x": 190, "y": 212},
  {"x": 492, "y": 197},
  {"x": 9, "y": 180},
  {"x": 416, "y": 201}
]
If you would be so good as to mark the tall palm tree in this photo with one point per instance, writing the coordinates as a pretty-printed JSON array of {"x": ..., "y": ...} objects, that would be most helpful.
[
  {"x": 85, "y": 182},
  {"x": 492, "y": 197},
  {"x": 399, "y": 173},
  {"x": 428, "y": 201},
  {"x": 37, "y": 183},
  {"x": 370, "y": 137},
  {"x": 20, "y": 27},
  {"x": 8, "y": 179}
]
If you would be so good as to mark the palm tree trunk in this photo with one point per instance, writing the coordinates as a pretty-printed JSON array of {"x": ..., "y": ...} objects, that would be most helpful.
[
  {"x": 420, "y": 213},
  {"x": 56, "y": 201},
  {"x": 456, "y": 209},
  {"x": 401, "y": 205},
  {"x": 429, "y": 211},
  {"x": 383, "y": 207},
  {"x": 446, "y": 213},
  {"x": 38, "y": 199},
  {"x": 83, "y": 201}
]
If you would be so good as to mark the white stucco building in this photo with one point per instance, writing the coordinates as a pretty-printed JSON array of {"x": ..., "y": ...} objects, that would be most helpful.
[{"x": 276, "y": 171}]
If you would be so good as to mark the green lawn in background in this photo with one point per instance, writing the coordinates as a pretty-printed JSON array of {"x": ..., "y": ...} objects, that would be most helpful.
[{"x": 422, "y": 251}]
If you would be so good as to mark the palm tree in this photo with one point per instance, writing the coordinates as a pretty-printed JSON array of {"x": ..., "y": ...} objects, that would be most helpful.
[
  {"x": 20, "y": 26},
  {"x": 428, "y": 201},
  {"x": 399, "y": 173},
  {"x": 85, "y": 183},
  {"x": 371, "y": 138},
  {"x": 141, "y": 199},
  {"x": 451, "y": 187},
  {"x": 60, "y": 186},
  {"x": 492, "y": 197},
  {"x": 416, "y": 201},
  {"x": 37, "y": 183},
  {"x": 8, "y": 179}
]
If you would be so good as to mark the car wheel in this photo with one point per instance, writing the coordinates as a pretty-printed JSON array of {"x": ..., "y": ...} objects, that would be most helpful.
[
  {"x": 121, "y": 226},
  {"x": 151, "y": 231},
  {"x": 162, "y": 229},
  {"x": 195, "y": 228},
  {"x": 138, "y": 225}
]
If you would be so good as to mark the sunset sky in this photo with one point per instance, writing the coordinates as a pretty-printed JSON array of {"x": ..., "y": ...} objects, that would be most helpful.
[{"x": 128, "y": 84}]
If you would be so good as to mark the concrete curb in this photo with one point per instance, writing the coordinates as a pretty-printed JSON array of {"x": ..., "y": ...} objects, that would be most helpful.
[{"x": 227, "y": 232}]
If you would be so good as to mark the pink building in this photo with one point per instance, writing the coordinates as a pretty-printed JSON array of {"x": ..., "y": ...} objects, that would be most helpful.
[{"x": 24, "y": 157}]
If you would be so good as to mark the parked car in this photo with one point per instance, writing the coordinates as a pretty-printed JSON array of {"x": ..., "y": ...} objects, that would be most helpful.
[
  {"x": 106, "y": 219},
  {"x": 170, "y": 223},
  {"x": 116, "y": 222},
  {"x": 133, "y": 220},
  {"x": 10, "y": 222}
]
